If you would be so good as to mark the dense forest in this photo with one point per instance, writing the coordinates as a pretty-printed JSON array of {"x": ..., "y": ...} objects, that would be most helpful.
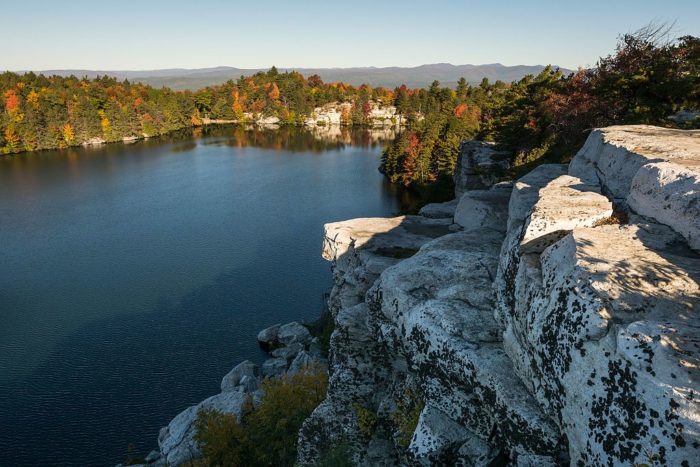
[
  {"x": 546, "y": 118},
  {"x": 42, "y": 112}
]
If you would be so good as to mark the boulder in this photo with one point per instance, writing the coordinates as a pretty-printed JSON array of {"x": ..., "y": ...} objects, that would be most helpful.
[
  {"x": 153, "y": 458},
  {"x": 669, "y": 193},
  {"x": 303, "y": 360},
  {"x": 288, "y": 352},
  {"x": 684, "y": 117},
  {"x": 274, "y": 367},
  {"x": 484, "y": 209},
  {"x": 292, "y": 333},
  {"x": 265, "y": 121},
  {"x": 176, "y": 441},
  {"x": 232, "y": 380},
  {"x": 655, "y": 171},
  {"x": 564, "y": 204},
  {"x": 439, "y": 210},
  {"x": 436, "y": 437},
  {"x": 267, "y": 338},
  {"x": 249, "y": 383}
]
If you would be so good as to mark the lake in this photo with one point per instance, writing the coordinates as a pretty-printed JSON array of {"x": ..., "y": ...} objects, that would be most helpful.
[{"x": 133, "y": 277}]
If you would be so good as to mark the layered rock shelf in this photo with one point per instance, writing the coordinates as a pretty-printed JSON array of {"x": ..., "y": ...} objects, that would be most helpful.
[{"x": 550, "y": 321}]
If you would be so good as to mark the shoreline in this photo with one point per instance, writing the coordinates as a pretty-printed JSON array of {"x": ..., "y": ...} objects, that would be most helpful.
[{"x": 97, "y": 142}]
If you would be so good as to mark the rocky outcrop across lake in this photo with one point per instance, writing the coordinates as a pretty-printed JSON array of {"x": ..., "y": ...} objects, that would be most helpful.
[
  {"x": 551, "y": 321},
  {"x": 340, "y": 113}
]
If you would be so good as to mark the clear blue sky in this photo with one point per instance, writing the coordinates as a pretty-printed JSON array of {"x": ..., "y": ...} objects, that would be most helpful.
[{"x": 151, "y": 34}]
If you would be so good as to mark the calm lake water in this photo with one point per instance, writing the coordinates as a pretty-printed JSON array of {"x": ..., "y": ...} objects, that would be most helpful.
[{"x": 133, "y": 277}]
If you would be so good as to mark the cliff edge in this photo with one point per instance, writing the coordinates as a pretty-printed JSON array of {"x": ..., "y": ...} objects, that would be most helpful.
[{"x": 550, "y": 321}]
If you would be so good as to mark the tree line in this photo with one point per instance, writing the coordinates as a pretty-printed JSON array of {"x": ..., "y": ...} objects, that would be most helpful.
[
  {"x": 46, "y": 112},
  {"x": 546, "y": 118}
]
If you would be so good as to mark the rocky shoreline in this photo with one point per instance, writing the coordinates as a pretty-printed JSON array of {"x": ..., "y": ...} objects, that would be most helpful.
[
  {"x": 291, "y": 349},
  {"x": 548, "y": 321}
]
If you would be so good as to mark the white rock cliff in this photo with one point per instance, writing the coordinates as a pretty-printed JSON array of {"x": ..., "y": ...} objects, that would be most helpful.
[{"x": 555, "y": 322}]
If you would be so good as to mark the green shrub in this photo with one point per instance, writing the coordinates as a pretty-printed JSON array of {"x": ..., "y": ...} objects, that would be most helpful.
[
  {"x": 406, "y": 417},
  {"x": 266, "y": 435},
  {"x": 366, "y": 419}
]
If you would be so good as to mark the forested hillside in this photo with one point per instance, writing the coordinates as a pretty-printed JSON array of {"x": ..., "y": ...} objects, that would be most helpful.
[
  {"x": 40, "y": 112},
  {"x": 547, "y": 117}
]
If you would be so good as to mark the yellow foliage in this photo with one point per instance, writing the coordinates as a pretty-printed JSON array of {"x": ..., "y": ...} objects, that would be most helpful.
[
  {"x": 33, "y": 98},
  {"x": 104, "y": 124},
  {"x": 11, "y": 140},
  {"x": 68, "y": 134}
]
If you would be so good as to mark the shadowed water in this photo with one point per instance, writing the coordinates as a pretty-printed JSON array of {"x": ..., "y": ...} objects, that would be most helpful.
[{"x": 133, "y": 277}]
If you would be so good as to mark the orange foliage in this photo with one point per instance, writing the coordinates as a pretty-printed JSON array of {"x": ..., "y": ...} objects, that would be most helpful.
[
  {"x": 11, "y": 138},
  {"x": 11, "y": 100},
  {"x": 257, "y": 106},
  {"x": 460, "y": 109},
  {"x": 274, "y": 92}
]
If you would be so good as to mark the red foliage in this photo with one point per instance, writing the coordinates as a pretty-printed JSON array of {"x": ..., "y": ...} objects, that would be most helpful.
[
  {"x": 460, "y": 109},
  {"x": 11, "y": 100}
]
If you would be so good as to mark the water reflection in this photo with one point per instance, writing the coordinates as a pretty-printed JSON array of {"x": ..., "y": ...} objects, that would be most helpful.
[{"x": 296, "y": 139}]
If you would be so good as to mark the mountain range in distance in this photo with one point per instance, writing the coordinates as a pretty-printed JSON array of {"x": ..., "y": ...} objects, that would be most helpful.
[{"x": 413, "y": 77}]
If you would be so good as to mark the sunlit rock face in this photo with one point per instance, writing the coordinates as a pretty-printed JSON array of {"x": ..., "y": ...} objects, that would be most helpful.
[
  {"x": 655, "y": 171},
  {"x": 551, "y": 321},
  {"x": 339, "y": 113}
]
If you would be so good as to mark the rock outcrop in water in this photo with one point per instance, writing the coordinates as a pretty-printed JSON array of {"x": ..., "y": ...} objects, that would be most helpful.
[{"x": 546, "y": 322}]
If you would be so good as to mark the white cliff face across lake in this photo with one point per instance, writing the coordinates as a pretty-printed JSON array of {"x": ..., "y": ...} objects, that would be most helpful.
[{"x": 134, "y": 276}]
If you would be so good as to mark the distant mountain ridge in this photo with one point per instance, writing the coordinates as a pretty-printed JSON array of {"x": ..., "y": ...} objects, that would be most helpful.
[{"x": 418, "y": 76}]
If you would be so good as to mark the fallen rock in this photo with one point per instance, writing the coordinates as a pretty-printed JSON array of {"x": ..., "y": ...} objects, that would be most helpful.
[
  {"x": 232, "y": 380},
  {"x": 249, "y": 383},
  {"x": 288, "y": 352},
  {"x": 176, "y": 441},
  {"x": 292, "y": 333},
  {"x": 274, "y": 367},
  {"x": 436, "y": 437},
  {"x": 439, "y": 210},
  {"x": 303, "y": 360},
  {"x": 484, "y": 209},
  {"x": 268, "y": 337}
]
